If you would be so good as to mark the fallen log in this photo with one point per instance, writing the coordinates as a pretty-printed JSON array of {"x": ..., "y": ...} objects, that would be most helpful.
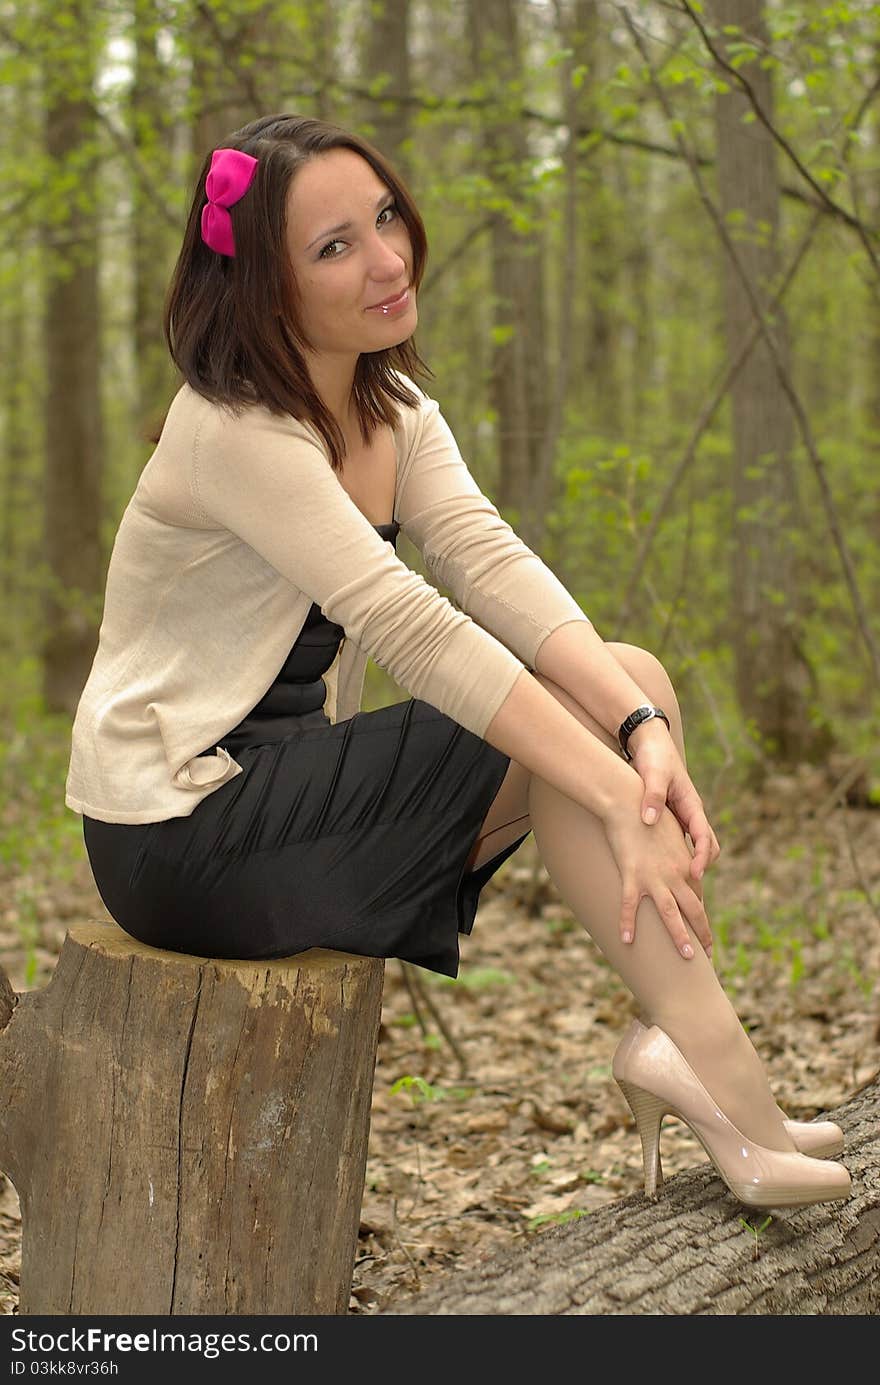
[{"x": 688, "y": 1252}]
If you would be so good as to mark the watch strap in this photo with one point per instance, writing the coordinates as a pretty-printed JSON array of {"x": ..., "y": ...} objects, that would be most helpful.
[{"x": 644, "y": 713}]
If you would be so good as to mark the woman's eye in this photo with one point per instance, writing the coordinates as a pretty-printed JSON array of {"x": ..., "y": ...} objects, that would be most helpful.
[{"x": 392, "y": 207}]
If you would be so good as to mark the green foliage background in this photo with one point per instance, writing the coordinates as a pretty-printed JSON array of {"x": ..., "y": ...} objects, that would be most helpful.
[{"x": 667, "y": 349}]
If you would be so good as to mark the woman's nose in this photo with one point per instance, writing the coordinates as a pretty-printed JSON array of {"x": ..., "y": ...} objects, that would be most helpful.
[{"x": 388, "y": 262}]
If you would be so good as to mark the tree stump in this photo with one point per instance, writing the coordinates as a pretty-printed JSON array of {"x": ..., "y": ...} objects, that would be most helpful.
[
  {"x": 188, "y": 1135},
  {"x": 688, "y": 1253}
]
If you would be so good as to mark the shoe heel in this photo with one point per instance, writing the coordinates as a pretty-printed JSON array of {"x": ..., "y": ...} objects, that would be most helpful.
[
  {"x": 656, "y": 1080},
  {"x": 648, "y": 1111}
]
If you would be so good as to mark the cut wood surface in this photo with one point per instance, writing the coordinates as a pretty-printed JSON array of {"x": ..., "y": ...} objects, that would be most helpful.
[
  {"x": 188, "y": 1135},
  {"x": 688, "y": 1252}
]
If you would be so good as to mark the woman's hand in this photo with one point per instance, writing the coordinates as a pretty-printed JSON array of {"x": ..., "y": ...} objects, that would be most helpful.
[
  {"x": 667, "y": 782},
  {"x": 654, "y": 863}
]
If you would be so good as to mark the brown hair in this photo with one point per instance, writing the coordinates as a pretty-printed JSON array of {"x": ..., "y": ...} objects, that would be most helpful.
[{"x": 233, "y": 324}]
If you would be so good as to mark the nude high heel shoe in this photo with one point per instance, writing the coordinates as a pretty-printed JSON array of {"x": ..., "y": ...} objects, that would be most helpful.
[
  {"x": 657, "y": 1080},
  {"x": 820, "y": 1139}
]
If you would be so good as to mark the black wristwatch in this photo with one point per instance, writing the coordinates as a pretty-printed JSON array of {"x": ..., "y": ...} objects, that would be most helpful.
[{"x": 643, "y": 713}]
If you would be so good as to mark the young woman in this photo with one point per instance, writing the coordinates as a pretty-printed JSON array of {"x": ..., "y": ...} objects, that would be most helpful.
[{"x": 226, "y": 813}]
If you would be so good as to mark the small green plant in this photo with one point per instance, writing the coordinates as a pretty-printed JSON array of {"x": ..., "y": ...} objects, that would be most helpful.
[
  {"x": 852, "y": 968},
  {"x": 558, "y": 1217},
  {"x": 721, "y": 920},
  {"x": 591, "y": 1176},
  {"x": 479, "y": 979},
  {"x": 768, "y": 937},
  {"x": 540, "y": 1168},
  {"x": 560, "y": 925},
  {"x": 756, "y": 1231},
  {"x": 819, "y": 927},
  {"x": 817, "y": 875},
  {"x": 418, "y": 1088},
  {"x": 742, "y": 962},
  {"x": 852, "y": 896},
  {"x": 421, "y": 1090},
  {"x": 797, "y": 962},
  {"x": 29, "y": 930},
  {"x": 482, "y": 978}
]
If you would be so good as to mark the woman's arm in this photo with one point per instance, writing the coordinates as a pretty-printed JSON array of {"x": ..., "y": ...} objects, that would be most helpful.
[
  {"x": 260, "y": 479},
  {"x": 468, "y": 547},
  {"x": 505, "y": 587},
  {"x": 578, "y": 659},
  {"x": 534, "y": 729},
  {"x": 500, "y": 582}
]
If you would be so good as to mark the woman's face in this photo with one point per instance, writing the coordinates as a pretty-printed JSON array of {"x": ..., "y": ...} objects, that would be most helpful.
[{"x": 342, "y": 274}]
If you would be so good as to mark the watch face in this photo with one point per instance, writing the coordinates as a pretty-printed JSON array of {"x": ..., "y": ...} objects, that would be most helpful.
[{"x": 638, "y": 716}]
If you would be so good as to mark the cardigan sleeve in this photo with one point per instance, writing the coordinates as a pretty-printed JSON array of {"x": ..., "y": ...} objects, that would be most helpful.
[
  {"x": 470, "y": 549},
  {"x": 265, "y": 481}
]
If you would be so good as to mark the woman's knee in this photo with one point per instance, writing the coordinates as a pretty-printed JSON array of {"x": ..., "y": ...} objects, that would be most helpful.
[{"x": 646, "y": 670}]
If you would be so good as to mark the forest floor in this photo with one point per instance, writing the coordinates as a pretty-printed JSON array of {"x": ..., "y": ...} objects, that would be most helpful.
[{"x": 514, "y": 1121}]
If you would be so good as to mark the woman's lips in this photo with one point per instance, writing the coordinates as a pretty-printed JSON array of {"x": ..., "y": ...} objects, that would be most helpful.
[{"x": 397, "y": 305}]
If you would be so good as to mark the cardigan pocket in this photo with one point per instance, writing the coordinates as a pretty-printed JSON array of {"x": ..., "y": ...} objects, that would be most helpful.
[{"x": 207, "y": 769}]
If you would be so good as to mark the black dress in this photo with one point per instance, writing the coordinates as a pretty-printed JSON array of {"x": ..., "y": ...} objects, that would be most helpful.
[{"x": 351, "y": 836}]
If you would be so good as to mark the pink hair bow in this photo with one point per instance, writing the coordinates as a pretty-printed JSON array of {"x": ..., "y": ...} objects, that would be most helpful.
[{"x": 229, "y": 178}]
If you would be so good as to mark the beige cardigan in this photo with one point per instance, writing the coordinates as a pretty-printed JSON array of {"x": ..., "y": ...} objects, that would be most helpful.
[{"x": 235, "y": 527}]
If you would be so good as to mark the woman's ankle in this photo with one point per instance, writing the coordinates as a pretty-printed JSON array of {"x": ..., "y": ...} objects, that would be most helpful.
[{"x": 725, "y": 1061}]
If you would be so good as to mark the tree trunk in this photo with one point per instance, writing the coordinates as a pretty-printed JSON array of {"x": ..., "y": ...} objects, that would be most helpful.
[
  {"x": 74, "y": 431},
  {"x": 576, "y": 34},
  {"x": 188, "y": 1135},
  {"x": 869, "y": 195},
  {"x": 153, "y": 138},
  {"x": 688, "y": 1253},
  {"x": 316, "y": 33},
  {"x": 386, "y": 59},
  {"x": 775, "y": 684},
  {"x": 519, "y": 374},
  {"x": 14, "y": 506},
  {"x": 599, "y": 234}
]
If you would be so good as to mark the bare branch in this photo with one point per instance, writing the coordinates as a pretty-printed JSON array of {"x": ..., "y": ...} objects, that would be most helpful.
[
  {"x": 834, "y": 207},
  {"x": 781, "y": 372},
  {"x": 248, "y": 91}
]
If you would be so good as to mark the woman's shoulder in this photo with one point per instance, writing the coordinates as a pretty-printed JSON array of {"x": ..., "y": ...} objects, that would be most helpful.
[
  {"x": 422, "y": 396},
  {"x": 415, "y": 416},
  {"x": 234, "y": 422},
  {"x": 205, "y": 419}
]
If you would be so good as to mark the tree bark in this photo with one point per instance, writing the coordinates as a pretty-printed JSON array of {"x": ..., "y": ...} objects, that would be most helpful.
[
  {"x": 188, "y": 1135},
  {"x": 519, "y": 373},
  {"x": 598, "y": 233},
  {"x": 386, "y": 58},
  {"x": 74, "y": 426},
  {"x": 775, "y": 684},
  {"x": 688, "y": 1253},
  {"x": 153, "y": 136}
]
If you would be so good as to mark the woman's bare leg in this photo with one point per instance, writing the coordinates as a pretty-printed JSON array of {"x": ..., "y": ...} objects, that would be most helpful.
[{"x": 684, "y": 997}]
